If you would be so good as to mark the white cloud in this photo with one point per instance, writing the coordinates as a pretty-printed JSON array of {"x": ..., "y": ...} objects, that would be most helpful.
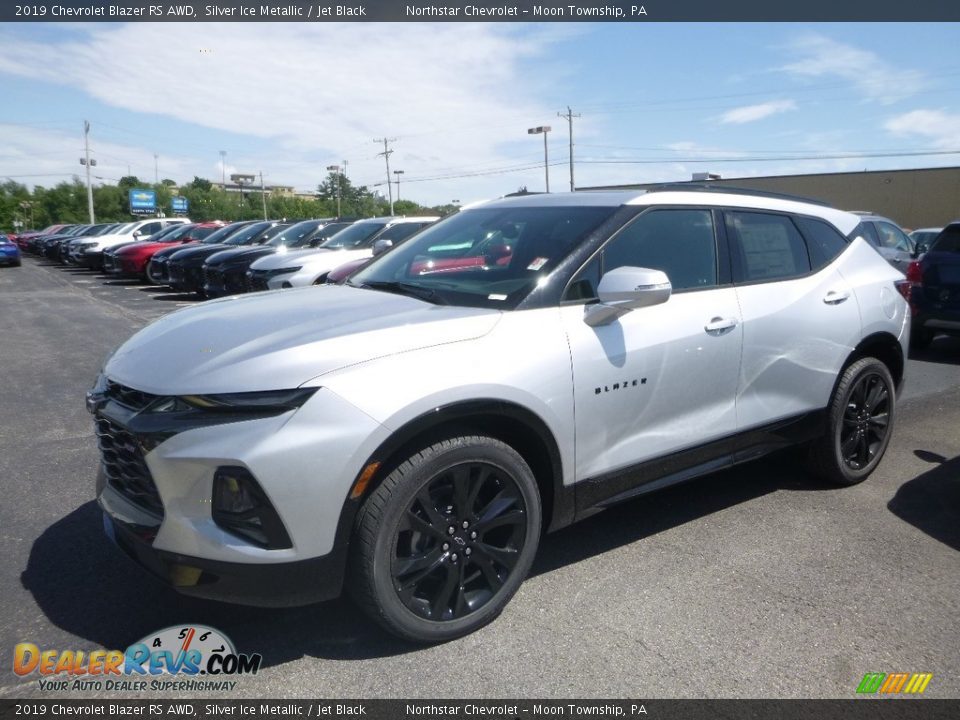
[
  {"x": 37, "y": 156},
  {"x": 874, "y": 78},
  {"x": 940, "y": 128},
  {"x": 752, "y": 113},
  {"x": 449, "y": 92}
]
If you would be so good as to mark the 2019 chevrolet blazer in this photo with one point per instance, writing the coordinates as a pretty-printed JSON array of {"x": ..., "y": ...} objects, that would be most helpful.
[{"x": 412, "y": 433}]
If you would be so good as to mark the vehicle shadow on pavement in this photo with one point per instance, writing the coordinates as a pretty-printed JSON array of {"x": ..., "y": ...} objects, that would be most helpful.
[
  {"x": 944, "y": 350},
  {"x": 89, "y": 588},
  {"x": 931, "y": 501},
  {"x": 665, "y": 509}
]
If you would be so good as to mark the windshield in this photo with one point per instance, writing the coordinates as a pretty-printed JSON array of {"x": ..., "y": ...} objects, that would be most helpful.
[
  {"x": 356, "y": 235},
  {"x": 93, "y": 230},
  {"x": 401, "y": 231},
  {"x": 247, "y": 235},
  {"x": 487, "y": 257},
  {"x": 171, "y": 233},
  {"x": 109, "y": 229},
  {"x": 295, "y": 235},
  {"x": 218, "y": 236}
]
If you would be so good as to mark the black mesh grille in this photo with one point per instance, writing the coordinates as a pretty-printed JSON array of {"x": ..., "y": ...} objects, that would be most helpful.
[
  {"x": 128, "y": 397},
  {"x": 257, "y": 280},
  {"x": 212, "y": 276},
  {"x": 125, "y": 467}
]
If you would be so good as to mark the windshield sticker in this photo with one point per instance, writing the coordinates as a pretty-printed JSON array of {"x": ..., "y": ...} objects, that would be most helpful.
[
  {"x": 496, "y": 296},
  {"x": 538, "y": 263}
]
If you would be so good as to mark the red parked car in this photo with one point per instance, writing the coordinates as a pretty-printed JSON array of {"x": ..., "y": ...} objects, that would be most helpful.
[{"x": 131, "y": 260}]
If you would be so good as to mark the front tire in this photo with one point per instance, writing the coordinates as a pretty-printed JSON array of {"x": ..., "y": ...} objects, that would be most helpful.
[
  {"x": 859, "y": 424},
  {"x": 442, "y": 545}
]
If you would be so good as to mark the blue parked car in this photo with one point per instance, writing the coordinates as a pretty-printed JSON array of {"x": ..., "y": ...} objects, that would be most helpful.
[
  {"x": 935, "y": 295},
  {"x": 9, "y": 252}
]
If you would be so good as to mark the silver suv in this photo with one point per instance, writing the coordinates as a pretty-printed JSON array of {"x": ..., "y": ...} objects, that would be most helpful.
[{"x": 514, "y": 368}]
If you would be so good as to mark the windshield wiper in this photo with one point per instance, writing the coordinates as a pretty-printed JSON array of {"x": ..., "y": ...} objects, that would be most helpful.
[{"x": 401, "y": 288}]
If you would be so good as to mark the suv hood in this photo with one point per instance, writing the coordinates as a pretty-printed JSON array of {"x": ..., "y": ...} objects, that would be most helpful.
[
  {"x": 282, "y": 340},
  {"x": 294, "y": 257}
]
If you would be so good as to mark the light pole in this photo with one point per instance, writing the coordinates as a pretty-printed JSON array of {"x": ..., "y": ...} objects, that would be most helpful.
[
  {"x": 223, "y": 170},
  {"x": 336, "y": 169},
  {"x": 398, "y": 173},
  {"x": 543, "y": 130}
]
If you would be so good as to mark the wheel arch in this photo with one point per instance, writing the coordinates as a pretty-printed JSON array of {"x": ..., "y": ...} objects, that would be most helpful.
[
  {"x": 886, "y": 348},
  {"x": 509, "y": 422}
]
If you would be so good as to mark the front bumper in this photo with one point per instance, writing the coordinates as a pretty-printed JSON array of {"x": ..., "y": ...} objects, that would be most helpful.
[
  {"x": 284, "y": 584},
  {"x": 92, "y": 259},
  {"x": 158, "y": 507}
]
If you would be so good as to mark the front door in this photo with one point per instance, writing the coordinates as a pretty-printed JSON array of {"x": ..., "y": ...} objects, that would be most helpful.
[{"x": 660, "y": 379}]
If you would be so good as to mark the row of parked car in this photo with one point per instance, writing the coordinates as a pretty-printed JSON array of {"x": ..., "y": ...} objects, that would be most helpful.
[{"x": 213, "y": 259}]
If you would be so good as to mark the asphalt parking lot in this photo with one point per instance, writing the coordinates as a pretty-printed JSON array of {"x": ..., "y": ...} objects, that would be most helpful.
[{"x": 754, "y": 582}]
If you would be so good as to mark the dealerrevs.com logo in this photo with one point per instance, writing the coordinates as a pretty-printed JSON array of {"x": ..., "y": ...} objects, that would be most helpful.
[
  {"x": 197, "y": 657},
  {"x": 894, "y": 683}
]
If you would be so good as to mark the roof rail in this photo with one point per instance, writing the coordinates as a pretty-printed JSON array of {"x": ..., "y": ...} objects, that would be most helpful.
[{"x": 730, "y": 189}]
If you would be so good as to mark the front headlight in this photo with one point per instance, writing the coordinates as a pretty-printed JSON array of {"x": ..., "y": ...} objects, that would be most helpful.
[{"x": 268, "y": 402}]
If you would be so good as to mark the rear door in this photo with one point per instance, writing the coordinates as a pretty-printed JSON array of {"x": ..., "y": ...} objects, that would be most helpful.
[{"x": 800, "y": 316}]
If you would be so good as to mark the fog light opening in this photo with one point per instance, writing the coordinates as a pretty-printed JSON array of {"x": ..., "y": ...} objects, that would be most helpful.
[{"x": 241, "y": 507}]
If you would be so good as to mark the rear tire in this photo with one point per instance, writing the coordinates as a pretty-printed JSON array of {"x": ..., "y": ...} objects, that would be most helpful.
[
  {"x": 860, "y": 421},
  {"x": 446, "y": 539}
]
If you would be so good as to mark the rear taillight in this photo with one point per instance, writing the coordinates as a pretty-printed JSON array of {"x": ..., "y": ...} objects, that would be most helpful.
[
  {"x": 914, "y": 274},
  {"x": 904, "y": 287}
]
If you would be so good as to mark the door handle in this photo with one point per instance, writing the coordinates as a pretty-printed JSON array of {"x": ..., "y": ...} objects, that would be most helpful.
[
  {"x": 719, "y": 324},
  {"x": 835, "y": 298}
]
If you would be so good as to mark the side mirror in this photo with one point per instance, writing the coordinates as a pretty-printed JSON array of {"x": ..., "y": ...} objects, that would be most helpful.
[
  {"x": 381, "y": 246},
  {"x": 625, "y": 289},
  {"x": 136, "y": 234},
  {"x": 920, "y": 249}
]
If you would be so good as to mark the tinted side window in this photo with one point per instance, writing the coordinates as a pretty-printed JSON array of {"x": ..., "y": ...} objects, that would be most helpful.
[
  {"x": 679, "y": 242},
  {"x": 823, "y": 241},
  {"x": 893, "y": 237},
  {"x": 766, "y": 247},
  {"x": 868, "y": 232}
]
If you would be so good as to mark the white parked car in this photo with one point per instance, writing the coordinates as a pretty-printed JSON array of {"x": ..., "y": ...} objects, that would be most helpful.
[
  {"x": 90, "y": 251},
  {"x": 513, "y": 368},
  {"x": 298, "y": 269}
]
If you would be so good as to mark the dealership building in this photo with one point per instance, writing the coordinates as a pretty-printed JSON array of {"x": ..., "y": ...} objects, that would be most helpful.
[{"x": 925, "y": 197}]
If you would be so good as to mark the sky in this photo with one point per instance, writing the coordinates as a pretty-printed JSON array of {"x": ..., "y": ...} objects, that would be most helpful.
[{"x": 656, "y": 102}]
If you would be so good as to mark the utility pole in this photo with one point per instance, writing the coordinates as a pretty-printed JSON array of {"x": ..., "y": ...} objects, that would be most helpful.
[
  {"x": 387, "y": 152},
  {"x": 86, "y": 153},
  {"x": 570, "y": 116},
  {"x": 263, "y": 196},
  {"x": 345, "y": 169},
  {"x": 336, "y": 169},
  {"x": 156, "y": 168},
  {"x": 223, "y": 170}
]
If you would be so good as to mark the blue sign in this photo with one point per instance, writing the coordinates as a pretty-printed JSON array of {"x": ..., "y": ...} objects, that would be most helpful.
[
  {"x": 143, "y": 201},
  {"x": 180, "y": 204}
]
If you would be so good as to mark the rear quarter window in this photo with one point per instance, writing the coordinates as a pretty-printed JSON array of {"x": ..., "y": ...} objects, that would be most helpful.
[
  {"x": 823, "y": 241},
  {"x": 948, "y": 240}
]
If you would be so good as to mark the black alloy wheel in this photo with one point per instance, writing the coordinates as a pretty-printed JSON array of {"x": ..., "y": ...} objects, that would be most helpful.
[
  {"x": 443, "y": 543},
  {"x": 860, "y": 420},
  {"x": 865, "y": 420}
]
